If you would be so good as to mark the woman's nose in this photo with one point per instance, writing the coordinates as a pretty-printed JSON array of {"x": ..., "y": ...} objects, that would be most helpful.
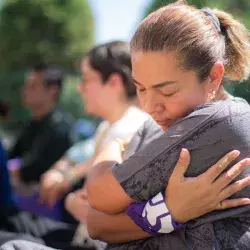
[{"x": 152, "y": 104}]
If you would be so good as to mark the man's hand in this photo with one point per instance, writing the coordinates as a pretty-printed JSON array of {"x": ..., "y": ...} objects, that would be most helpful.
[
  {"x": 53, "y": 187},
  {"x": 189, "y": 198},
  {"x": 77, "y": 204}
]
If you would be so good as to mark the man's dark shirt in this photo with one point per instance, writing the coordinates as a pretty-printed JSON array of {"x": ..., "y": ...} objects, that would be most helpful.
[
  {"x": 5, "y": 189},
  {"x": 41, "y": 144}
]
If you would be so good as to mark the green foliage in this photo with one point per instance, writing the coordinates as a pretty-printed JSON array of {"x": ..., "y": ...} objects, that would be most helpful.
[
  {"x": 243, "y": 90},
  {"x": 239, "y": 8},
  {"x": 10, "y": 85},
  {"x": 70, "y": 99},
  {"x": 54, "y": 31},
  {"x": 57, "y": 31}
]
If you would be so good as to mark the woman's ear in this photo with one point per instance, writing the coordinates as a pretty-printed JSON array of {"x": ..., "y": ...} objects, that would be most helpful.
[
  {"x": 115, "y": 81},
  {"x": 216, "y": 76}
]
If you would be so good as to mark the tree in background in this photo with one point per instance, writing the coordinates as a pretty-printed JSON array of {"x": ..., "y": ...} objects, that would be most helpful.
[
  {"x": 57, "y": 31},
  {"x": 53, "y": 31},
  {"x": 239, "y": 8}
]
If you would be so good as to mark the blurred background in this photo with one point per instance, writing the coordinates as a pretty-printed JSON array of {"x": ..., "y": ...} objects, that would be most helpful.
[{"x": 60, "y": 31}]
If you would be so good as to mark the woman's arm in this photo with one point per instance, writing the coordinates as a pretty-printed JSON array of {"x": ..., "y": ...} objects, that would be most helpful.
[
  {"x": 183, "y": 193},
  {"x": 104, "y": 227},
  {"x": 76, "y": 203},
  {"x": 101, "y": 183}
]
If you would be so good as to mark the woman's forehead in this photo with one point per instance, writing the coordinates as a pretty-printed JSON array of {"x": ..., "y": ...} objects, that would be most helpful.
[
  {"x": 150, "y": 69},
  {"x": 158, "y": 67},
  {"x": 155, "y": 61}
]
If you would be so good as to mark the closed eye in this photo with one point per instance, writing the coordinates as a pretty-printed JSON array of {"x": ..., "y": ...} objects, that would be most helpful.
[{"x": 170, "y": 94}]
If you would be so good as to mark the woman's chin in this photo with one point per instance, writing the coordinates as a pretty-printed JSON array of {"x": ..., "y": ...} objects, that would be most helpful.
[{"x": 164, "y": 127}]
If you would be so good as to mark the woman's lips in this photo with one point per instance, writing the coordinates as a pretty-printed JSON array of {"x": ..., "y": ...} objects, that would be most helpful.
[{"x": 162, "y": 122}]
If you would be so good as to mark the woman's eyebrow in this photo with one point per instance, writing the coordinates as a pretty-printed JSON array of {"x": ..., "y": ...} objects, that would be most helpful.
[
  {"x": 163, "y": 84},
  {"x": 159, "y": 85}
]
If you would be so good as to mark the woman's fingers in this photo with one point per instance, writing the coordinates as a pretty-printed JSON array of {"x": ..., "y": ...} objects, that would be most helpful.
[
  {"x": 230, "y": 203},
  {"x": 181, "y": 165},
  {"x": 212, "y": 173},
  {"x": 231, "y": 174},
  {"x": 234, "y": 188}
]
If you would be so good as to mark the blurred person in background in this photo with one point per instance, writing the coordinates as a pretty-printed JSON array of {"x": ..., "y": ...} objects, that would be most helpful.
[
  {"x": 47, "y": 136},
  {"x": 44, "y": 141},
  {"x": 107, "y": 91}
]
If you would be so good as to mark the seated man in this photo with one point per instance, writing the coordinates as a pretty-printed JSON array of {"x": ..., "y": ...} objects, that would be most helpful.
[{"x": 47, "y": 136}]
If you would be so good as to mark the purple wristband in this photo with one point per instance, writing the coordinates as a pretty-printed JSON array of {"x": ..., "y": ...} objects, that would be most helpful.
[{"x": 153, "y": 216}]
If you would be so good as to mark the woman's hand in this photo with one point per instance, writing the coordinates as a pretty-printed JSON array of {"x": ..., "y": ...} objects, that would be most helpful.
[
  {"x": 189, "y": 198},
  {"x": 77, "y": 204}
]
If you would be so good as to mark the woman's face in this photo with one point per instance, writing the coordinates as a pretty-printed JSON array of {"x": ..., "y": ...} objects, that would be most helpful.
[
  {"x": 165, "y": 91},
  {"x": 95, "y": 94}
]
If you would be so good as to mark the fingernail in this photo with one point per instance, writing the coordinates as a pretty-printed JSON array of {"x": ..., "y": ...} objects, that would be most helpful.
[
  {"x": 235, "y": 153},
  {"x": 247, "y": 201},
  {"x": 183, "y": 150},
  {"x": 245, "y": 162}
]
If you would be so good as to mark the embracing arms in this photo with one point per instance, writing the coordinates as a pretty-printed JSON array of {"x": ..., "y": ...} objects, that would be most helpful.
[{"x": 181, "y": 198}]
